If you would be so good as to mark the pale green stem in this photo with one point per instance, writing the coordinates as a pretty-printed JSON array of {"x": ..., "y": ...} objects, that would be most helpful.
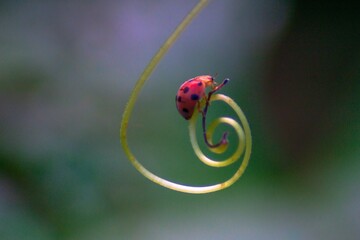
[{"x": 130, "y": 105}]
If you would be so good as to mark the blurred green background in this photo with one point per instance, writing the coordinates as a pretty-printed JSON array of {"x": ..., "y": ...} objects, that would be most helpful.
[{"x": 67, "y": 69}]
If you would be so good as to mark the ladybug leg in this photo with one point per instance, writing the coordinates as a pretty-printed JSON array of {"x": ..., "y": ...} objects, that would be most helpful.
[
  {"x": 199, "y": 108},
  {"x": 200, "y": 104}
]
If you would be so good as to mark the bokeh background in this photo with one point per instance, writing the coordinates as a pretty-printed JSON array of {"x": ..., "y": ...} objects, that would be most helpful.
[{"x": 67, "y": 69}]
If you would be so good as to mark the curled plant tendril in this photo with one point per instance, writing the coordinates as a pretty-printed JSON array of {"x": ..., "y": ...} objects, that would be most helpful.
[
  {"x": 223, "y": 142},
  {"x": 242, "y": 131}
]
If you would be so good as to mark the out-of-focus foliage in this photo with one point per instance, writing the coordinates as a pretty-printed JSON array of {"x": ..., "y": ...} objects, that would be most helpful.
[{"x": 66, "y": 71}]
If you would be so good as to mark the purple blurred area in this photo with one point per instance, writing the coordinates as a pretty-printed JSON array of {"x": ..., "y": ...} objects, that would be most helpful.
[{"x": 67, "y": 69}]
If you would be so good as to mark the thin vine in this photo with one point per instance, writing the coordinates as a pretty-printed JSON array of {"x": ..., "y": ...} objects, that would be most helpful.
[{"x": 243, "y": 132}]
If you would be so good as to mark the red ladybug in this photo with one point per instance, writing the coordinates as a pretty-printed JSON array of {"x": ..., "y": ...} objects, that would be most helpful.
[{"x": 192, "y": 91}]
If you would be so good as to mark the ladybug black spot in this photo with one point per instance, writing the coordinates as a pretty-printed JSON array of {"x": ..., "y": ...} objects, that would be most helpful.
[
  {"x": 179, "y": 99},
  {"x": 200, "y": 84},
  {"x": 185, "y": 110},
  {"x": 194, "y": 97},
  {"x": 186, "y": 89}
]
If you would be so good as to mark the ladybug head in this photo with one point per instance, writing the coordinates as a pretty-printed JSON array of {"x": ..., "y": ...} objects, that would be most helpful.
[{"x": 206, "y": 79}]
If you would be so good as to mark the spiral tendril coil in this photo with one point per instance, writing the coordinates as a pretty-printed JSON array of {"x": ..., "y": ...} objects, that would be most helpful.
[
  {"x": 244, "y": 140},
  {"x": 243, "y": 133}
]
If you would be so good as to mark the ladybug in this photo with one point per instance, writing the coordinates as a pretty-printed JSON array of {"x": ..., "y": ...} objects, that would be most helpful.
[{"x": 192, "y": 91}]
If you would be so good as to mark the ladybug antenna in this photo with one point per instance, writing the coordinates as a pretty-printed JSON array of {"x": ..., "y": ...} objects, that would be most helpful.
[{"x": 215, "y": 75}]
